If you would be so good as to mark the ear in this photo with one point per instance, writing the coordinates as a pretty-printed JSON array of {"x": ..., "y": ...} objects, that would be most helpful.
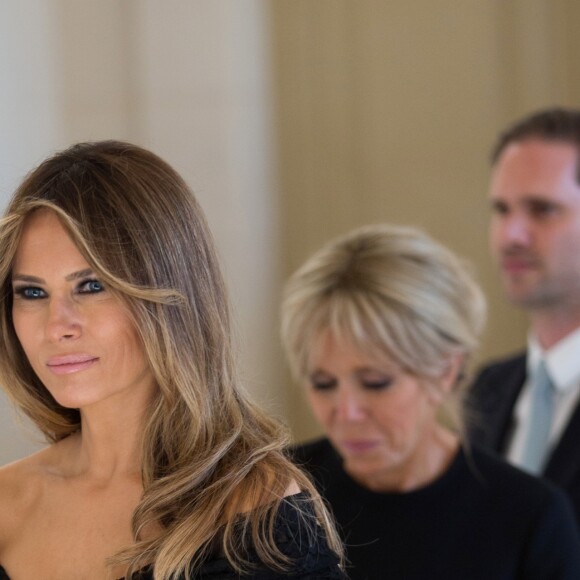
[
  {"x": 441, "y": 387},
  {"x": 452, "y": 371}
]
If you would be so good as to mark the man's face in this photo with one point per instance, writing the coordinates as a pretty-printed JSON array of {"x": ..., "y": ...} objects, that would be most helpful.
[{"x": 535, "y": 228}]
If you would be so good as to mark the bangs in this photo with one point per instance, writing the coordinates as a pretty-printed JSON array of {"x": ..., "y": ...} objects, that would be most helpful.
[
  {"x": 350, "y": 317},
  {"x": 382, "y": 329}
]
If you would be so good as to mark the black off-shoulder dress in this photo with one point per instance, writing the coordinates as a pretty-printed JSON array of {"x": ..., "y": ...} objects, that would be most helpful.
[{"x": 312, "y": 558}]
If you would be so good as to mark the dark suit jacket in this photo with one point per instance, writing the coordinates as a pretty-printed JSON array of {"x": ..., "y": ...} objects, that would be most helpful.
[{"x": 491, "y": 403}]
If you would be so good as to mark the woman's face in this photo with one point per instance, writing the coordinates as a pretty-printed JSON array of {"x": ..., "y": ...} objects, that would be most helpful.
[
  {"x": 78, "y": 337},
  {"x": 379, "y": 418}
]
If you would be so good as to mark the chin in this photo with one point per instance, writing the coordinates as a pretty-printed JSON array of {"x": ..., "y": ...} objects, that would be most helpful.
[
  {"x": 74, "y": 397},
  {"x": 521, "y": 300},
  {"x": 73, "y": 402},
  {"x": 368, "y": 465}
]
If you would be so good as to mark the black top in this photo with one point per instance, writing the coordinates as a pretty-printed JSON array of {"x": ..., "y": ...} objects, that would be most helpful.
[
  {"x": 482, "y": 520},
  {"x": 311, "y": 560}
]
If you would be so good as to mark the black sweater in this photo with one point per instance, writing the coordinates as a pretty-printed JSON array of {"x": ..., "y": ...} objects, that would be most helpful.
[{"x": 482, "y": 520}]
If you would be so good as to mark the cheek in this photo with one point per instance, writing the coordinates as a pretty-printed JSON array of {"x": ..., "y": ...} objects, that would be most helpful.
[
  {"x": 392, "y": 421},
  {"x": 26, "y": 332},
  {"x": 565, "y": 247},
  {"x": 495, "y": 235},
  {"x": 113, "y": 324},
  {"x": 120, "y": 337},
  {"x": 130, "y": 363},
  {"x": 320, "y": 406},
  {"x": 131, "y": 350},
  {"x": 404, "y": 415},
  {"x": 24, "y": 328}
]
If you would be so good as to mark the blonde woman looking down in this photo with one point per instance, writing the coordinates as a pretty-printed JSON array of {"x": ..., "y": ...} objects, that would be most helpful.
[
  {"x": 115, "y": 341},
  {"x": 379, "y": 326}
]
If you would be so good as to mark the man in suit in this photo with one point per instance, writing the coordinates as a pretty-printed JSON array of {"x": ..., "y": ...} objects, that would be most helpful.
[{"x": 527, "y": 407}]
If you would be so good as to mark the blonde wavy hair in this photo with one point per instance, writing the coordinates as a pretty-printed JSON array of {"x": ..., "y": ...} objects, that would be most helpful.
[
  {"x": 207, "y": 451},
  {"x": 390, "y": 291}
]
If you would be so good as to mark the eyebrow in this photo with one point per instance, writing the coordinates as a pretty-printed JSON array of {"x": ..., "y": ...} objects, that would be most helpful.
[
  {"x": 357, "y": 370},
  {"x": 35, "y": 280},
  {"x": 525, "y": 198}
]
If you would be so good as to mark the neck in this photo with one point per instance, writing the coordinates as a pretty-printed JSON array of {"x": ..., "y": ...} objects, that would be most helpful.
[
  {"x": 430, "y": 462},
  {"x": 107, "y": 450},
  {"x": 108, "y": 446},
  {"x": 550, "y": 327}
]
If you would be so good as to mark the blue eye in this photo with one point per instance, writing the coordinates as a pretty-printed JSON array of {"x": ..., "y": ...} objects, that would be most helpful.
[
  {"x": 90, "y": 287},
  {"x": 30, "y": 292}
]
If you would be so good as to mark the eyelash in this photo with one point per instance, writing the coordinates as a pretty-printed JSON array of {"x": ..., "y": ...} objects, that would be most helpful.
[
  {"x": 539, "y": 209},
  {"x": 323, "y": 385},
  {"x": 90, "y": 281},
  {"x": 24, "y": 291},
  {"x": 368, "y": 385},
  {"x": 378, "y": 385},
  {"x": 543, "y": 209},
  {"x": 499, "y": 209}
]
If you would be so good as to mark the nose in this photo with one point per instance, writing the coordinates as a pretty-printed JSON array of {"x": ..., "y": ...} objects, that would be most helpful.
[
  {"x": 513, "y": 231},
  {"x": 63, "y": 321},
  {"x": 350, "y": 406}
]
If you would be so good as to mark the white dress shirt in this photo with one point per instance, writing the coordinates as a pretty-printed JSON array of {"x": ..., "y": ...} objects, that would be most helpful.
[{"x": 563, "y": 364}]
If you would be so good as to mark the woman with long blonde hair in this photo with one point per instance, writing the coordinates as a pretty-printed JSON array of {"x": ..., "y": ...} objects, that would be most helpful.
[{"x": 115, "y": 342}]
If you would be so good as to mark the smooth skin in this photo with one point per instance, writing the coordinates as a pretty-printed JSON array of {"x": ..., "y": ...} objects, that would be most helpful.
[
  {"x": 380, "y": 418},
  {"x": 535, "y": 233},
  {"x": 67, "y": 508}
]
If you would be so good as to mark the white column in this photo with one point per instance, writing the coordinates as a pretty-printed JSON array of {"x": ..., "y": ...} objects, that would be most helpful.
[
  {"x": 29, "y": 129},
  {"x": 203, "y": 77},
  {"x": 188, "y": 79}
]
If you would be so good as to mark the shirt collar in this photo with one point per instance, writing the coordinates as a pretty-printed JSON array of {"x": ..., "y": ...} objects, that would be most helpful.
[{"x": 562, "y": 360}]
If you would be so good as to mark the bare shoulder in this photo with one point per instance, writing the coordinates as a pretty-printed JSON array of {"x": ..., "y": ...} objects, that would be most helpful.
[
  {"x": 20, "y": 485},
  {"x": 292, "y": 489},
  {"x": 15, "y": 477}
]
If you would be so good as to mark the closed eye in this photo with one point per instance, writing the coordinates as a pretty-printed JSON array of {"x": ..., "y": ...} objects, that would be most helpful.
[
  {"x": 377, "y": 385},
  {"x": 324, "y": 385},
  {"x": 499, "y": 207},
  {"x": 540, "y": 208}
]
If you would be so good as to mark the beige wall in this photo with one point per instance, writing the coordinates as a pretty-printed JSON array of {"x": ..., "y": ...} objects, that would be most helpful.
[
  {"x": 386, "y": 111},
  {"x": 188, "y": 79}
]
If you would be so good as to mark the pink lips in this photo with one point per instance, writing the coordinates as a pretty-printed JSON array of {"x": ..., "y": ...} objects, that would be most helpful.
[
  {"x": 70, "y": 363},
  {"x": 516, "y": 266},
  {"x": 516, "y": 261},
  {"x": 359, "y": 446}
]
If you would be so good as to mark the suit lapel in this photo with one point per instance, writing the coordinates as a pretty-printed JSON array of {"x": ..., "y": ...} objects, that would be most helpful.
[
  {"x": 564, "y": 461},
  {"x": 506, "y": 392}
]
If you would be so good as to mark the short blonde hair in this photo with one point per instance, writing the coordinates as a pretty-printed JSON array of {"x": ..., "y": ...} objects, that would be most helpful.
[{"x": 389, "y": 290}]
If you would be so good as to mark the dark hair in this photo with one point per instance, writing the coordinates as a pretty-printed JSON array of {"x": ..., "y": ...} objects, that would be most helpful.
[{"x": 554, "y": 124}]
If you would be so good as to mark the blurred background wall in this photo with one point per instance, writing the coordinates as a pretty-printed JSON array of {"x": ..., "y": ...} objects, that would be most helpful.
[
  {"x": 293, "y": 121},
  {"x": 387, "y": 110}
]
